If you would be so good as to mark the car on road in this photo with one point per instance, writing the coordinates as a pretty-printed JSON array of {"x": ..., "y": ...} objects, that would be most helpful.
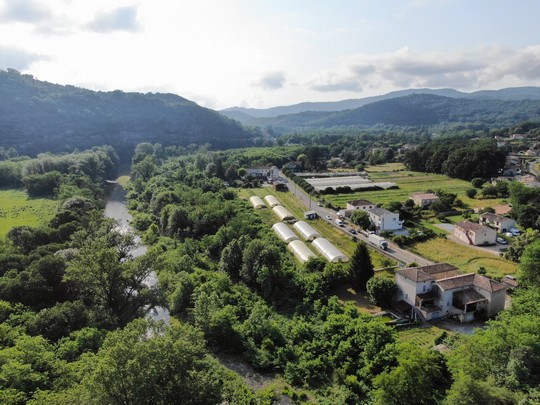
[
  {"x": 328, "y": 217},
  {"x": 353, "y": 231},
  {"x": 502, "y": 241},
  {"x": 319, "y": 204}
]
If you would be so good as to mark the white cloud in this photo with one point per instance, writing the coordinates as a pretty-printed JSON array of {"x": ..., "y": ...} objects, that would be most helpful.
[
  {"x": 28, "y": 11},
  {"x": 272, "y": 81},
  {"x": 119, "y": 19},
  {"x": 16, "y": 58},
  {"x": 465, "y": 70}
]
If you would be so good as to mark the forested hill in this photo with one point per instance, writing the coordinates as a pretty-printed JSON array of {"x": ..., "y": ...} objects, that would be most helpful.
[
  {"x": 413, "y": 110},
  {"x": 37, "y": 116}
]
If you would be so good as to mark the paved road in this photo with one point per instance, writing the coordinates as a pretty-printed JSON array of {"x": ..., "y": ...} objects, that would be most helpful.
[{"x": 393, "y": 251}]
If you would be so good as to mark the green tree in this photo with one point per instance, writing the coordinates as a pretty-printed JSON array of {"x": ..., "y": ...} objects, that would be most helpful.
[
  {"x": 148, "y": 363},
  {"x": 529, "y": 269},
  {"x": 381, "y": 291},
  {"x": 477, "y": 182},
  {"x": 361, "y": 268},
  {"x": 471, "y": 192},
  {"x": 361, "y": 218},
  {"x": 419, "y": 378}
]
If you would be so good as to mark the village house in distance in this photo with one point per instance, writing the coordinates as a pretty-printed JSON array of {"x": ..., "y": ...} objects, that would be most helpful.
[
  {"x": 424, "y": 199},
  {"x": 438, "y": 290},
  {"x": 475, "y": 234}
]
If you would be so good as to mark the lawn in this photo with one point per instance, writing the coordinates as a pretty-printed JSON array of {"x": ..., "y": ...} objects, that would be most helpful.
[
  {"x": 410, "y": 182},
  {"x": 295, "y": 206},
  {"x": 466, "y": 258},
  {"x": 17, "y": 209}
]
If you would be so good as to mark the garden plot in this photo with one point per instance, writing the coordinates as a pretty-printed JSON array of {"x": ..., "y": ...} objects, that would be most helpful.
[{"x": 354, "y": 182}]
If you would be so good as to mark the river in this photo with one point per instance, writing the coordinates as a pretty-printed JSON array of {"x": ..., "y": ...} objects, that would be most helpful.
[{"x": 116, "y": 208}]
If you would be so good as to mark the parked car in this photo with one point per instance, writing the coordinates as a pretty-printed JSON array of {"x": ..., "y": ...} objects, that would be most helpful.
[
  {"x": 352, "y": 231},
  {"x": 509, "y": 234},
  {"x": 502, "y": 241},
  {"x": 515, "y": 231}
]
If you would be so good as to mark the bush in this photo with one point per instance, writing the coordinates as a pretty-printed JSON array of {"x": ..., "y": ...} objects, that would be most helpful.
[{"x": 381, "y": 291}]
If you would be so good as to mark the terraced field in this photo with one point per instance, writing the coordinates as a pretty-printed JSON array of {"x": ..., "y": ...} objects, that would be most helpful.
[
  {"x": 409, "y": 182},
  {"x": 17, "y": 209}
]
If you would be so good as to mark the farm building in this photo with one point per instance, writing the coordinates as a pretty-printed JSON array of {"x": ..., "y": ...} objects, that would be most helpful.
[
  {"x": 282, "y": 213},
  {"x": 438, "y": 290},
  {"x": 329, "y": 251},
  {"x": 300, "y": 251},
  {"x": 271, "y": 200},
  {"x": 257, "y": 202},
  {"x": 475, "y": 234},
  {"x": 306, "y": 231},
  {"x": 499, "y": 222},
  {"x": 263, "y": 171},
  {"x": 284, "y": 233}
]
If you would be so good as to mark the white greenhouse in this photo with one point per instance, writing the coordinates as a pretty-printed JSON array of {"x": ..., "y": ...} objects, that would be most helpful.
[
  {"x": 300, "y": 251},
  {"x": 284, "y": 233},
  {"x": 282, "y": 213},
  {"x": 306, "y": 231},
  {"x": 329, "y": 251},
  {"x": 257, "y": 202},
  {"x": 272, "y": 201}
]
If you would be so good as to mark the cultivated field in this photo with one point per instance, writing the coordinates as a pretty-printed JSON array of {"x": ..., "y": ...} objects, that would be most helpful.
[
  {"x": 421, "y": 336},
  {"x": 409, "y": 182},
  {"x": 17, "y": 209},
  {"x": 467, "y": 259}
]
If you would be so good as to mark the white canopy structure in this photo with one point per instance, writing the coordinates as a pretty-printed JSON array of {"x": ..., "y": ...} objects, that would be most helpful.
[
  {"x": 272, "y": 201},
  {"x": 282, "y": 213},
  {"x": 301, "y": 251},
  {"x": 329, "y": 251},
  {"x": 306, "y": 231},
  {"x": 257, "y": 202},
  {"x": 284, "y": 233}
]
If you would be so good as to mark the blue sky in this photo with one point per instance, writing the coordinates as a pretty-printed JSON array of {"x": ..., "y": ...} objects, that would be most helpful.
[{"x": 264, "y": 53}]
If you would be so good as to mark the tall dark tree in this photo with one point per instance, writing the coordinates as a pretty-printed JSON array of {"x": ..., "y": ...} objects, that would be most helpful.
[{"x": 361, "y": 269}]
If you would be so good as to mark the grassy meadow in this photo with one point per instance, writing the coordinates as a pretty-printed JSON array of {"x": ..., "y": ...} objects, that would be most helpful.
[
  {"x": 467, "y": 259},
  {"x": 409, "y": 182},
  {"x": 17, "y": 209}
]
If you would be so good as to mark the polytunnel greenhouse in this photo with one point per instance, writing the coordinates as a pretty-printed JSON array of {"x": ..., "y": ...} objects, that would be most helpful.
[
  {"x": 306, "y": 231},
  {"x": 284, "y": 233},
  {"x": 301, "y": 251},
  {"x": 329, "y": 251}
]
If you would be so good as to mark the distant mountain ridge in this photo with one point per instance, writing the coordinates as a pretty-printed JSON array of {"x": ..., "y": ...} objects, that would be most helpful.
[
  {"x": 412, "y": 110},
  {"x": 247, "y": 115},
  {"x": 37, "y": 116}
]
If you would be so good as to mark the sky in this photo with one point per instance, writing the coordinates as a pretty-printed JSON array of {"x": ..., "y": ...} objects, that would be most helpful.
[{"x": 265, "y": 53}]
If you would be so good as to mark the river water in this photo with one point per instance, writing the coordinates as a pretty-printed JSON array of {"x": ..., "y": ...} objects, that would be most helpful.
[{"x": 116, "y": 208}]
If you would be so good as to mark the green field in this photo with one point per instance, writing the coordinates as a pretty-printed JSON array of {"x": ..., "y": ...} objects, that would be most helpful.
[
  {"x": 17, "y": 209},
  {"x": 337, "y": 237},
  {"x": 466, "y": 258},
  {"x": 409, "y": 182}
]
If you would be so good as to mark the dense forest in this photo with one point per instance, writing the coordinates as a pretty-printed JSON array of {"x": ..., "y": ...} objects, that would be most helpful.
[{"x": 37, "y": 116}]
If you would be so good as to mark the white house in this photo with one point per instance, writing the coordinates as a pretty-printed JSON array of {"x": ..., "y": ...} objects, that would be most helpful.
[
  {"x": 499, "y": 222},
  {"x": 385, "y": 220},
  {"x": 438, "y": 290},
  {"x": 263, "y": 171},
  {"x": 363, "y": 205},
  {"x": 475, "y": 234},
  {"x": 424, "y": 199}
]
